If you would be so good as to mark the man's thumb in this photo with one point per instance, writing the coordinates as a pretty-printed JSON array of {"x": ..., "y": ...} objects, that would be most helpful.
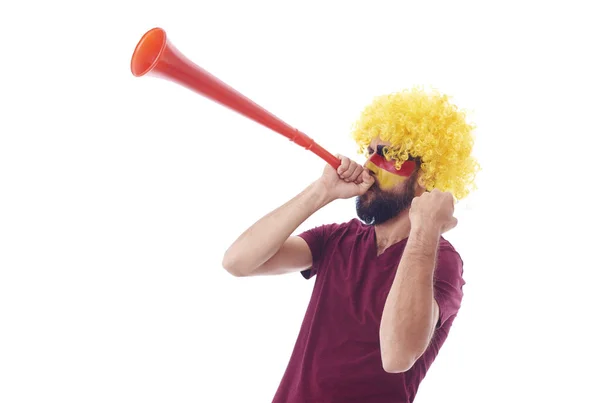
[{"x": 367, "y": 182}]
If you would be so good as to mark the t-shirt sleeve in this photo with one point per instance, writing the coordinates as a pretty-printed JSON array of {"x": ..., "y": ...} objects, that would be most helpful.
[
  {"x": 315, "y": 238},
  {"x": 448, "y": 283}
]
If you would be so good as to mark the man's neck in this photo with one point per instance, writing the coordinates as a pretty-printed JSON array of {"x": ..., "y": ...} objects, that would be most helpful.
[{"x": 392, "y": 231}]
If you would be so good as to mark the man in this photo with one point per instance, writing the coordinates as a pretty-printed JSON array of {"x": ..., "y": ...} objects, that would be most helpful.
[{"x": 388, "y": 285}]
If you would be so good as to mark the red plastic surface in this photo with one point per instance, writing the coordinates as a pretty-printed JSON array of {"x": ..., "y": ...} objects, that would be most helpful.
[
  {"x": 406, "y": 168},
  {"x": 154, "y": 55}
]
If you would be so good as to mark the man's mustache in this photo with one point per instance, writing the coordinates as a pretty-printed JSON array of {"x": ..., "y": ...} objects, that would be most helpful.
[
  {"x": 375, "y": 186},
  {"x": 375, "y": 180}
]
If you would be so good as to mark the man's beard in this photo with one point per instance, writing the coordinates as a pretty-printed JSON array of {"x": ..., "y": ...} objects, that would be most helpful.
[{"x": 377, "y": 206}]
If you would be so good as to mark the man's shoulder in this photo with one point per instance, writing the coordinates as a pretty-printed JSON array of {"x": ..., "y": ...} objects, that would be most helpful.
[
  {"x": 447, "y": 246},
  {"x": 346, "y": 228},
  {"x": 327, "y": 231},
  {"x": 448, "y": 256}
]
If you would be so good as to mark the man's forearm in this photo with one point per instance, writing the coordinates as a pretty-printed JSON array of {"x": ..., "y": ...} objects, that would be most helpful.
[
  {"x": 265, "y": 237},
  {"x": 409, "y": 315}
]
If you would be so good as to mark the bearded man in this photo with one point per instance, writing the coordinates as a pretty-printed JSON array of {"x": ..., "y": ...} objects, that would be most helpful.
[{"x": 388, "y": 284}]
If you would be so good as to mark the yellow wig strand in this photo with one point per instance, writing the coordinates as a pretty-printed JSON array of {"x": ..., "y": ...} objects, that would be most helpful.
[{"x": 424, "y": 125}]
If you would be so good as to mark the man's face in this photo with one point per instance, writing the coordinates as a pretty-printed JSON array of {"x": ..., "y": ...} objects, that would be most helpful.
[{"x": 392, "y": 191}]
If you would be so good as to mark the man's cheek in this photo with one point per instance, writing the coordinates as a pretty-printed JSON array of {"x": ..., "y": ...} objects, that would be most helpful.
[
  {"x": 385, "y": 179},
  {"x": 389, "y": 181}
]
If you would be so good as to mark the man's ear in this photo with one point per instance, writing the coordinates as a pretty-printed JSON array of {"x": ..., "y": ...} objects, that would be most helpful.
[
  {"x": 420, "y": 180},
  {"x": 418, "y": 185}
]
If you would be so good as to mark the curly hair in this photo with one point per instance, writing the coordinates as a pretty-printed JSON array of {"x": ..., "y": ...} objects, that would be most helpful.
[{"x": 425, "y": 126}]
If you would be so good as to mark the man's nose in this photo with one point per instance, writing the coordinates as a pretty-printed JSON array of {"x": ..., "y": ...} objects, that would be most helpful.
[{"x": 370, "y": 169}]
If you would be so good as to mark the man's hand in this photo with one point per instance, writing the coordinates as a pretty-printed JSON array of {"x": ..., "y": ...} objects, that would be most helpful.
[
  {"x": 351, "y": 179},
  {"x": 433, "y": 210}
]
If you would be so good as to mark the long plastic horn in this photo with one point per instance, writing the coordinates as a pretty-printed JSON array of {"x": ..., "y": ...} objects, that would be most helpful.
[{"x": 156, "y": 56}]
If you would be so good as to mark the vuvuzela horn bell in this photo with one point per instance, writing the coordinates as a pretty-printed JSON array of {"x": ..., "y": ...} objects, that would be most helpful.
[{"x": 156, "y": 56}]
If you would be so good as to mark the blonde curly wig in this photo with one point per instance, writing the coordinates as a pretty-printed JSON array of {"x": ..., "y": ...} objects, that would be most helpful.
[{"x": 426, "y": 126}]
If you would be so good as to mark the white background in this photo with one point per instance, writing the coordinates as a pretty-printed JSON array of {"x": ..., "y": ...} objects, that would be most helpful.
[{"x": 119, "y": 195}]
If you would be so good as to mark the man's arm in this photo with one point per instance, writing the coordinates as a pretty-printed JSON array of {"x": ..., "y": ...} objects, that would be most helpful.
[
  {"x": 267, "y": 247},
  {"x": 410, "y": 313}
]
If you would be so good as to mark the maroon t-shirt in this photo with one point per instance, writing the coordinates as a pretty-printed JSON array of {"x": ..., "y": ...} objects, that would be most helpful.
[{"x": 337, "y": 358}]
